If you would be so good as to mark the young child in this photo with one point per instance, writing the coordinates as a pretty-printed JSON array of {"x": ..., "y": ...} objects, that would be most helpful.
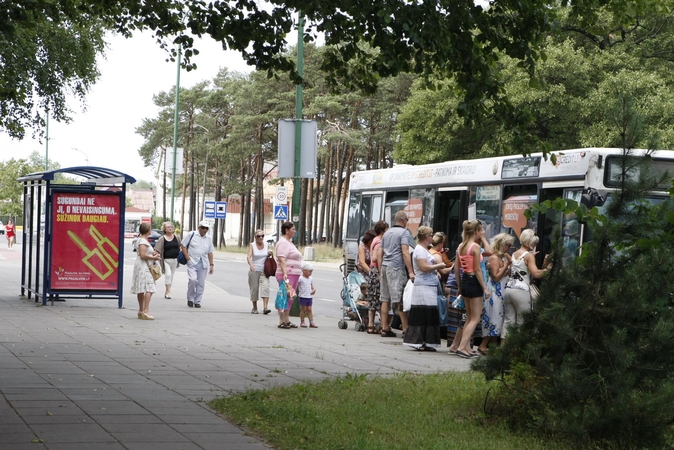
[
  {"x": 361, "y": 298},
  {"x": 305, "y": 292}
]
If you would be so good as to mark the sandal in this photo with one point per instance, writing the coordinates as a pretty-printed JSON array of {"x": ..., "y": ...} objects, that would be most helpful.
[
  {"x": 371, "y": 330},
  {"x": 387, "y": 333},
  {"x": 254, "y": 311},
  {"x": 283, "y": 325},
  {"x": 291, "y": 325}
]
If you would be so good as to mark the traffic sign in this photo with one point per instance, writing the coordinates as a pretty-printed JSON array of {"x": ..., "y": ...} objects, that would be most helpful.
[
  {"x": 220, "y": 210},
  {"x": 281, "y": 197},
  {"x": 209, "y": 210},
  {"x": 280, "y": 212}
]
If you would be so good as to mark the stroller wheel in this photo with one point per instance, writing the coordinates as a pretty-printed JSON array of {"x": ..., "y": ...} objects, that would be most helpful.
[
  {"x": 342, "y": 325},
  {"x": 360, "y": 327}
]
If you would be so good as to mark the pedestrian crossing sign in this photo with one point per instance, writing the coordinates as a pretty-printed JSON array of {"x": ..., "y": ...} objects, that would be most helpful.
[{"x": 280, "y": 212}]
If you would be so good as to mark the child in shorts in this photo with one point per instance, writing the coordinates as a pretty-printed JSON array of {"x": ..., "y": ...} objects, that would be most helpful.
[{"x": 305, "y": 292}]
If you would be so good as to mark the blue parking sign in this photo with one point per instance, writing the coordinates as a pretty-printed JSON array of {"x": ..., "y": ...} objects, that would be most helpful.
[
  {"x": 280, "y": 212},
  {"x": 220, "y": 210},
  {"x": 209, "y": 210}
]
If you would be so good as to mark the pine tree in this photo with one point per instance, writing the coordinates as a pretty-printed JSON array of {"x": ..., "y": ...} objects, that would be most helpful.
[{"x": 593, "y": 361}]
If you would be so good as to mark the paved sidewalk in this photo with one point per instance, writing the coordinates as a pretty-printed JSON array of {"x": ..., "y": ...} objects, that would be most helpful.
[{"x": 83, "y": 374}]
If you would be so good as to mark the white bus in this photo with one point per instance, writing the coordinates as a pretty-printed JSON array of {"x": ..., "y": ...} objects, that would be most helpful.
[{"x": 495, "y": 190}]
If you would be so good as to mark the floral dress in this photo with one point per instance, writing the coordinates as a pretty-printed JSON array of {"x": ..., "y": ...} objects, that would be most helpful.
[
  {"x": 373, "y": 292},
  {"x": 142, "y": 280},
  {"x": 493, "y": 310}
]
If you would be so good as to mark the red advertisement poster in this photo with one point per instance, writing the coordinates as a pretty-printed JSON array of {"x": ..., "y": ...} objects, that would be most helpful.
[{"x": 85, "y": 239}]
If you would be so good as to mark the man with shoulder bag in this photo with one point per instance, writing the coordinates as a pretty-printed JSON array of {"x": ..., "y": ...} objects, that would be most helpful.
[{"x": 197, "y": 248}]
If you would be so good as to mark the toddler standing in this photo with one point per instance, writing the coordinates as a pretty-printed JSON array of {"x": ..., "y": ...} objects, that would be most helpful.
[{"x": 306, "y": 291}]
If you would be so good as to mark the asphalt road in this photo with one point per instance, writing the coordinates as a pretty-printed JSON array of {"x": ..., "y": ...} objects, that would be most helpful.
[{"x": 231, "y": 276}]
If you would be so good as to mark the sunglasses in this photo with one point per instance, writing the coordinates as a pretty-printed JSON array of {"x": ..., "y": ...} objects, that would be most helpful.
[{"x": 259, "y": 235}]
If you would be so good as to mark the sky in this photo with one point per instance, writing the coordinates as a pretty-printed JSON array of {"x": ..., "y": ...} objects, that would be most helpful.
[{"x": 103, "y": 135}]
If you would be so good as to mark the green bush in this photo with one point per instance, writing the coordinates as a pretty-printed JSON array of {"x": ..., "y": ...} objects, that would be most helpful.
[{"x": 593, "y": 362}]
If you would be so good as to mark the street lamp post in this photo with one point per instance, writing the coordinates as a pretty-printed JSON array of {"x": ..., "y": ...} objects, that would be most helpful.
[{"x": 86, "y": 157}]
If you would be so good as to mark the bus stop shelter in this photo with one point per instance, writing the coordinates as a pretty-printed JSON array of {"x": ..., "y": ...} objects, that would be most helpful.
[{"x": 73, "y": 235}]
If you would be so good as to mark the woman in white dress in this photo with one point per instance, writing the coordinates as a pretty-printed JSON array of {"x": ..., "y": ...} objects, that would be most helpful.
[
  {"x": 143, "y": 284},
  {"x": 423, "y": 327}
]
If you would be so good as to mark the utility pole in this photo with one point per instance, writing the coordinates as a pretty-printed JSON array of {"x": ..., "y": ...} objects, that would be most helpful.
[
  {"x": 297, "y": 182},
  {"x": 175, "y": 139}
]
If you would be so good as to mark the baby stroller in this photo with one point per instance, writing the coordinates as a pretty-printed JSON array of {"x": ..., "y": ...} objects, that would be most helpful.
[{"x": 351, "y": 293}]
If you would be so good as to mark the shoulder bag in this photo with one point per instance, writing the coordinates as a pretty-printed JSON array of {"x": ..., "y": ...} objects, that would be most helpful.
[
  {"x": 181, "y": 256},
  {"x": 270, "y": 266}
]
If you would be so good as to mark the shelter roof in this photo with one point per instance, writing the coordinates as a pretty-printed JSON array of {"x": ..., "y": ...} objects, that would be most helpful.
[{"x": 99, "y": 175}]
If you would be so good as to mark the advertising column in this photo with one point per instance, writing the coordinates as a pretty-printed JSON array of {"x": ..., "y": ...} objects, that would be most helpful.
[{"x": 85, "y": 239}]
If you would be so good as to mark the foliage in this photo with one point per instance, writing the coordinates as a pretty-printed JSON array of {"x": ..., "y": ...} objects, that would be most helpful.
[
  {"x": 228, "y": 128},
  {"x": 48, "y": 46},
  {"x": 428, "y": 411},
  {"x": 593, "y": 360},
  {"x": 567, "y": 104}
]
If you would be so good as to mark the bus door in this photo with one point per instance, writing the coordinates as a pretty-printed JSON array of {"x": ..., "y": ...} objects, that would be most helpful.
[
  {"x": 450, "y": 212},
  {"x": 554, "y": 223},
  {"x": 365, "y": 209}
]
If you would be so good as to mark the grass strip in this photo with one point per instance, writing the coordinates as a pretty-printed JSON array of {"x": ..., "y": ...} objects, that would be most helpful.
[{"x": 437, "y": 411}]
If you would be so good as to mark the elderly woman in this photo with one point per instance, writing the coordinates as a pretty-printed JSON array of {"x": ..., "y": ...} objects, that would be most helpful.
[
  {"x": 423, "y": 327},
  {"x": 142, "y": 283},
  {"x": 517, "y": 297},
  {"x": 168, "y": 247},
  {"x": 493, "y": 310},
  {"x": 258, "y": 282},
  {"x": 289, "y": 268}
]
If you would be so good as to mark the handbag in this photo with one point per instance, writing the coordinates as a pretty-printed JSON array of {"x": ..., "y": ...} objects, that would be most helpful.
[
  {"x": 534, "y": 292},
  {"x": 181, "y": 256},
  {"x": 155, "y": 271},
  {"x": 270, "y": 267}
]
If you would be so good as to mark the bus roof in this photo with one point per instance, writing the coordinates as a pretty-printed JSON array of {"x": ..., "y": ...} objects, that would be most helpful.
[{"x": 569, "y": 164}]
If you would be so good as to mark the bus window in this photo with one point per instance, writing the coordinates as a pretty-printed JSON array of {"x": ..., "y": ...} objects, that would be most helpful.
[
  {"x": 366, "y": 215},
  {"x": 353, "y": 219},
  {"x": 395, "y": 201},
  {"x": 487, "y": 201},
  {"x": 420, "y": 209},
  {"x": 376, "y": 210},
  {"x": 516, "y": 200}
]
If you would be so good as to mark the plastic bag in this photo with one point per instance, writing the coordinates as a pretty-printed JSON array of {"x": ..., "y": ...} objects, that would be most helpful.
[
  {"x": 281, "y": 297},
  {"x": 459, "y": 303},
  {"x": 442, "y": 305},
  {"x": 407, "y": 295}
]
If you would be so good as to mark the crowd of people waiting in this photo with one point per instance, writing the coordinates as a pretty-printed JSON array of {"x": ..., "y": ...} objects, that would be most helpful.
[{"x": 479, "y": 294}]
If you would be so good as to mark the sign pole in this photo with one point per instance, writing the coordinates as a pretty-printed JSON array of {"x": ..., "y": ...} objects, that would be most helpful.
[{"x": 297, "y": 182}]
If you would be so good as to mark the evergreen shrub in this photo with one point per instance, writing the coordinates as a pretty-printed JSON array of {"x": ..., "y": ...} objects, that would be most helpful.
[{"x": 594, "y": 361}]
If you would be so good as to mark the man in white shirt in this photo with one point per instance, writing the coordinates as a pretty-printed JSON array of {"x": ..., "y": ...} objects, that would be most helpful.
[{"x": 198, "y": 250}]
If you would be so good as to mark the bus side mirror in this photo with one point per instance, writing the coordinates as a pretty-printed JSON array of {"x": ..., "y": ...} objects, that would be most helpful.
[{"x": 591, "y": 198}]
